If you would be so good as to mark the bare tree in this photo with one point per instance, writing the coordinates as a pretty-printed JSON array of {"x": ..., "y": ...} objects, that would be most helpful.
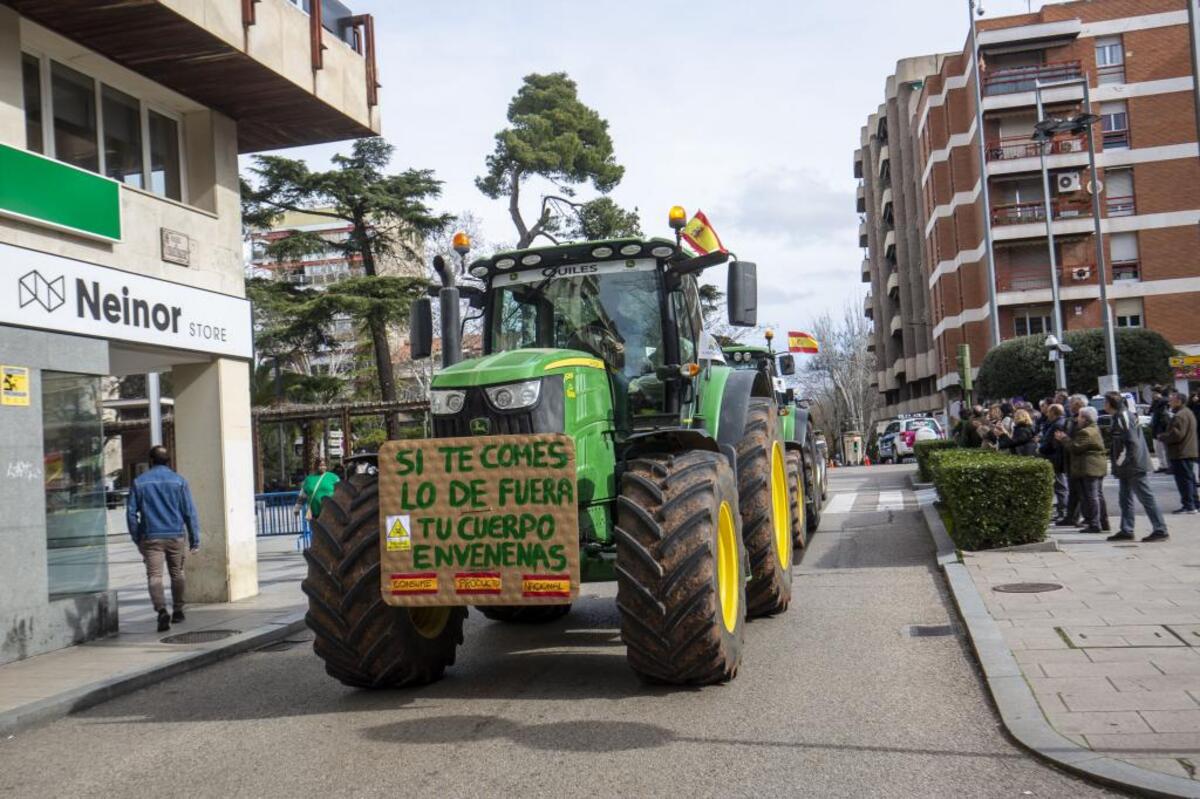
[{"x": 839, "y": 377}]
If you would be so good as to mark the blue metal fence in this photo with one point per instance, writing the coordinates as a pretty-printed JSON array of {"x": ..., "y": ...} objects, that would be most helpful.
[{"x": 275, "y": 514}]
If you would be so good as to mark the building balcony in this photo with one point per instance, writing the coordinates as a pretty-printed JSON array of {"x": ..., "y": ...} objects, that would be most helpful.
[
  {"x": 863, "y": 240},
  {"x": 885, "y": 202},
  {"x": 1013, "y": 147},
  {"x": 1024, "y": 213},
  {"x": 893, "y": 283},
  {"x": 1026, "y": 279},
  {"x": 286, "y": 77},
  {"x": 1116, "y": 139},
  {"x": 866, "y": 270},
  {"x": 889, "y": 245},
  {"x": 869, "y": 306},
  {"x": 860, "y": 198},
  {"x": 1013, "y": 80},
  {"x": 896, "y": 325},
  {"x": 1126, "y": 270},
  {"x": 885, "y": 165},
  {"x": 858, "y": 163}
]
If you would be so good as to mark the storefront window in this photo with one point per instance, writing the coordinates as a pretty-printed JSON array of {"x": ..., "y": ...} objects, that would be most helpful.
[
  {"x": 73, "y": 440},
  {"x": 122, "y": 137},
  {"x": 32, "y": 79},
  {"x": 74, "y": 118},
  {"x": 164, "y": 157}
]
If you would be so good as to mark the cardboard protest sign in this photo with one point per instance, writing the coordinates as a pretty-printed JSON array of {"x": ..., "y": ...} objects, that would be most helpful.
[{"x": 484, "y": 520}]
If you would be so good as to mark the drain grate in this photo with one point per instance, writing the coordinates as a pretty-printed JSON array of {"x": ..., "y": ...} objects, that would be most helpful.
[
  {"x": 200, "y": 636},
  {"x": 929, "y": 630},
  {"x": 1026, "y": 588}
]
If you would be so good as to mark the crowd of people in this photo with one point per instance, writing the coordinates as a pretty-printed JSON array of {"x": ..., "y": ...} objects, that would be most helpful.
[{"x": 1064, "y": 430}]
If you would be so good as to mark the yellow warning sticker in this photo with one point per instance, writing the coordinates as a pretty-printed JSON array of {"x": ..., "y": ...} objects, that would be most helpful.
[
  {"x": 399, "y": 533},
  {"x": 14, "y": 385}
]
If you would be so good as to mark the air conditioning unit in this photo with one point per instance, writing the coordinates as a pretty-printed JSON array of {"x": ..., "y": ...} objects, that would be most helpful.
[
  {"x": 1068, "y": 182},
  {"x": 1070, "y": 146},
  {"x": 1081, "y": 273}
]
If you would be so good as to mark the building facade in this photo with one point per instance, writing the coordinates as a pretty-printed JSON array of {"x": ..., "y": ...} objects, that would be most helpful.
[
  {"x": 120, "y": 235},
  {"x": 1136, "y": 60}
]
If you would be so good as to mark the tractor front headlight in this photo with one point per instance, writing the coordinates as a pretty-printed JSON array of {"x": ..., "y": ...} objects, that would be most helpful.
[
  {"x": 446, "y": 402},
  {"x": 512, "y": 396}
]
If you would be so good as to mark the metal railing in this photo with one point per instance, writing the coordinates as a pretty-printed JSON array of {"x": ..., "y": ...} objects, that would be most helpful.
[
  {"x": 1032, "y": 278},
  {"x": 1110, "y": 73},
  {"x": 1122, "y": 205},
  {"x": 1009, "y": 147},
  {"x": 275, "y": 514},
  {"x": 1024, "y": 213},
  {"x": 1116, "y": 139},
  {"x": 1023, "y": 79},
  {"x": 1126, "y": 270}
]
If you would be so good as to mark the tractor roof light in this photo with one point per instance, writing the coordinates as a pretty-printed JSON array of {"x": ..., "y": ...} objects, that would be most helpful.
[
  {"x": 479, "y": 271},
  {"x": 505, "y": 263},
  {"x": 677, "y": 217},
  {"x": 769, "y": 334},
  {"x": 461, "y": 242},
  {"x": 602, "y": 252},
  {"x": 531, "y": 260},
  {"x": 631, "y": 249}
]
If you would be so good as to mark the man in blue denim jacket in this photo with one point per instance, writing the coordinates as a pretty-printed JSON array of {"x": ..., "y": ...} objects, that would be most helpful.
[{"x": 157, "y": 512}]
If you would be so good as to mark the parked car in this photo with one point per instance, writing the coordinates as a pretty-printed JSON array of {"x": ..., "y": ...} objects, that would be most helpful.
[{"x": 914, "y": 430}]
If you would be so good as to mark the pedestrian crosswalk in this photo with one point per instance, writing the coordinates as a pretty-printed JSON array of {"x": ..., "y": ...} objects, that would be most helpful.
[{"x": 869, "y": 501}]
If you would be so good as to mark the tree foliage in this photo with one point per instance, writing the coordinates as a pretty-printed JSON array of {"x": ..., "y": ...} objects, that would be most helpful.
[
  {"x": 1019, "y": 367},
  {"x": 552, "y": 134}
]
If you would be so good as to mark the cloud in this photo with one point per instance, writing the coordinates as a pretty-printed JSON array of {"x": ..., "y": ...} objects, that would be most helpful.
[{"x": 797, "y": 204}]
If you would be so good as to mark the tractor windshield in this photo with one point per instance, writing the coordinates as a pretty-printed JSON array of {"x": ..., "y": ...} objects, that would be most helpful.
[{"x": 610, "y": 309}]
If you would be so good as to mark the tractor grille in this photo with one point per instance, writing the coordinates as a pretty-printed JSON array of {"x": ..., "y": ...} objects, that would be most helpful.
[{"x": 544, "y": 417}]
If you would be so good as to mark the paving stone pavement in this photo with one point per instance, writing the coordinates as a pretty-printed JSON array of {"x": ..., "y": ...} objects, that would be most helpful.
[{"x": 1113, "y": 656}]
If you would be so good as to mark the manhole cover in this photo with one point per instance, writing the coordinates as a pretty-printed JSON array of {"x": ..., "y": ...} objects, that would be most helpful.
[
  {"x": 1026, "y": 588},
  {"x": 200, "y": 636},
  {"x": 929, "y": 630}
]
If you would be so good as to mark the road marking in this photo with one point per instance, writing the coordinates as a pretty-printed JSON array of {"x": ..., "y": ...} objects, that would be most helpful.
[
  {"x": 890, "y": 500},
  {"x": 842, "y": 502}
]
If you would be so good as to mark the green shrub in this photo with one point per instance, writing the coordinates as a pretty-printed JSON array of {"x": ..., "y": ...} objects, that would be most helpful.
[
  {"x": 995, "y": 499},
  {"x": 923, "y": 449}
]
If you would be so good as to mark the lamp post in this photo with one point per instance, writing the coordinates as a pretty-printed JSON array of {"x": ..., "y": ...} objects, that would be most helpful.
[
  {"x": 1044, "y": 135},
  {"x": 1084, "y": 122},
  {"x": 984, "y": 192}
]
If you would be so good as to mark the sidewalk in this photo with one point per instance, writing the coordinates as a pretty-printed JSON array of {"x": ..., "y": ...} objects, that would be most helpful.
[
  {"x": 52, "y": 685},
  {"x": 1111, "y": 655}
]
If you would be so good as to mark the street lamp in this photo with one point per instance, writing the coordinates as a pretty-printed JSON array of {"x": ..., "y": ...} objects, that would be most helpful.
[{"x": 1044, "y": 130}]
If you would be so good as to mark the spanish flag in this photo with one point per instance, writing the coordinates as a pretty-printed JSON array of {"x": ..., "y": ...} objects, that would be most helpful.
[
  {"x": 802, "y": 342},
  {"x": 701, "y": 237}
]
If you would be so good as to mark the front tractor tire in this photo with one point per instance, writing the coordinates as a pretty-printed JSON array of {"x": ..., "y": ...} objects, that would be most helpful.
[
  {"x": 814, "y": 497},
  {"x": 797, "y": 500},
  {"x": 524, "y": 614},
  {"x": 363, "y": 641},
  {"x": 766, "y": 510},
  {"x": 681, "y": 584}
]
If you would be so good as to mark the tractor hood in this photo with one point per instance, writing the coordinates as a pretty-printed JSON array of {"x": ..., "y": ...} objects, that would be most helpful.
[{"x": 514, "y": 365}]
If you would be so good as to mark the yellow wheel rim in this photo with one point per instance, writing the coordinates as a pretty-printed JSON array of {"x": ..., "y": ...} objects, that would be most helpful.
[
  {"x": 728, "y": 568},
  {"x": 429, "y": 622},
  {"x": 781, "y": 506}
]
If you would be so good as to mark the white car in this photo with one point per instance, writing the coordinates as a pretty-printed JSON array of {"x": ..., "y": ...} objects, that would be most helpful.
[{"x": 914, "y": 430}]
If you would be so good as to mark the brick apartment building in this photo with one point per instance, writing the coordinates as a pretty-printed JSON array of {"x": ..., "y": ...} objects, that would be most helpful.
[{"x": 919, "y": 155}]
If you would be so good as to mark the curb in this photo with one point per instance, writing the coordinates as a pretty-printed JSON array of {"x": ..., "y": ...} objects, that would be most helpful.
[
  {"x": 1019, "y": 710},
  {"x": 55, "y": 707}
]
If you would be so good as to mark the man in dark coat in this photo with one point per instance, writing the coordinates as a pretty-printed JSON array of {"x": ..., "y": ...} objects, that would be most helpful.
[
  {"x": 1131, "y": 466},
  {"x": 1050, "y": 449},
  {"x": 1180, "y": 439}
]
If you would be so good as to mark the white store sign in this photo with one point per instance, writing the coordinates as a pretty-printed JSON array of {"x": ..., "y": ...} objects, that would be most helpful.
[{"x": 50, "y": 292}]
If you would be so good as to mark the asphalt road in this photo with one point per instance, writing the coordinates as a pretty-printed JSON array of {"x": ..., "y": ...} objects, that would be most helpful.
[{"x": 834, "y": 699}]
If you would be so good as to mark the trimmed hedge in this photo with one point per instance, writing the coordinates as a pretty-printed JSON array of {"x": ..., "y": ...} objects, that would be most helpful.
[
  {"x": 995, "y": 499},
  {"x": 922, "y": 449}
]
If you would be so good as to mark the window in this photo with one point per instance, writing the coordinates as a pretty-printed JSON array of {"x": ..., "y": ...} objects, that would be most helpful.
[
  {"x": 31, "y": 74},
  {"x": 1114, "y": 117},
  {"x": 74, "y": 97},
  {"x": 122, "y": 137},
  {"x": 1031, "y": 321},
  {"x": 1118, "y": 192},
  {"x": 164, "y": 157},
  {"x": 1129, "y": 312},
  {"x": 1124, "y": 256},
  {"x": 101, "y": 129},
  {"x": 1110, "y": 60}
]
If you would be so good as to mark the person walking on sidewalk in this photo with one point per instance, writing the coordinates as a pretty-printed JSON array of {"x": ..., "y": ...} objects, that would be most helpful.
[
  {"x": 1131, "y": 466},
  {"x": 317, "y": 487},
  {"x": 1180, "y": 439},
  {"x": 1088, "y": 465},
  {"x": 158, "y": 511}
]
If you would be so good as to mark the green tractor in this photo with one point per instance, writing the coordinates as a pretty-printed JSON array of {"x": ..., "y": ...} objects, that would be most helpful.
[
  {"x": 797, "y": 427},
  {"x": 689, "y": 492}
]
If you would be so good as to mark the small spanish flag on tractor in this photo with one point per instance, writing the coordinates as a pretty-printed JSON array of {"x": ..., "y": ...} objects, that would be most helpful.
[
  {"x": 700, "y": 236},
  {"x": 802, "y": 342}
]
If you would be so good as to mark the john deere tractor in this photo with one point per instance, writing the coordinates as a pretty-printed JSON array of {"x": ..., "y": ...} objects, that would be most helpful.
[
  {"x": 797, "y": 426},
  {"x": 689, "y": 491}
]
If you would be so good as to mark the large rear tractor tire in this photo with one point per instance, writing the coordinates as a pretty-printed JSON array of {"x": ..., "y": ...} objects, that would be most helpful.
[
  {"x": 797, "y": 500},
  {"x": 681, "y": 584},
  {"x": 524, "y": 614},
  {"x": 763, "y": 496},
  {"x": 814, "y": 499},
  {"x": 364, "y": 641}
]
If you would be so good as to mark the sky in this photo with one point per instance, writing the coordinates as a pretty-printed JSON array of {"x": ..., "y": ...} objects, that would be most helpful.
[{"x": 749, "y": 111}]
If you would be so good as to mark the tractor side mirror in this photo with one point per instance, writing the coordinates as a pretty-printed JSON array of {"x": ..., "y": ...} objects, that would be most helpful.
[
  {"x": 742, "y": 293},
  {"x": 787, "y": 365},
  {"x": 420, "y": 333}
]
